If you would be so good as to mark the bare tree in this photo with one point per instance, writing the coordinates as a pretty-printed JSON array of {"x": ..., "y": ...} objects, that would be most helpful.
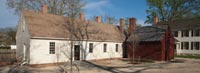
[
  {"x": 59, "y": 7},
  {"x": 73, "y": 26},
  {"x": 7, "y": 36},
  {"x": 134, "y": 41},
  {"x": 70, "y": 9}
]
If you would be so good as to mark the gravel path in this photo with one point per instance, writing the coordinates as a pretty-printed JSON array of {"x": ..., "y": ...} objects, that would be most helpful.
[{"x": 180, "y": 65}]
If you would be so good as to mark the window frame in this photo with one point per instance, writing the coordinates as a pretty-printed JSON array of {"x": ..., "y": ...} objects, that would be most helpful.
[
  {"x": 181, "y": 45},
  {"x": 185, "y": 33},
  {"x": 196, "y": 46},
  {"x": 185, "y": 45},
  {"x": 196, "y": 33},
  {"x": 116, "y": 47},
  {"x": 52, "y": 48},
  {"x": 91, "y": 47},
  {"x": 104, "y": 47},
  {"x": 175, "y": 33},
  {"x": 192, "y": 45}
]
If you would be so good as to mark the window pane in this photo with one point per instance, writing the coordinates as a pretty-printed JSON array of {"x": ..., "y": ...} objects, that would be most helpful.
[
  {"x": 175, "y": 46},
  {"x": 52, "y": 48},
  {"x": 182, "y": 33},
  {"x": 196, "y": 45},
  {"x": 185, "y": 33},
  {"x": 176, "y": 34},
  {"x": 186, "y": 45},
  {"x": 105, "y": 47},
  {"x": 192, "y": 32},
  {"x": 116, "y": 47},
  {"x": 192, "y": 45},
  {"x": 196, "y": 32},
  {"x": 90, "y": 47},
  {"x": 182, "y": 45}
]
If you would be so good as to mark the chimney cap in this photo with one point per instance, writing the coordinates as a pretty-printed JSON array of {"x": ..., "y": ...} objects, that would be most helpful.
[
  {"x": 44, "y": 8},
  {"x": 155, "y": 20},
  {"x": 98, "y": 19},
  {"x": 122, "y": 25},
  {"x": 132, "y": 18}
]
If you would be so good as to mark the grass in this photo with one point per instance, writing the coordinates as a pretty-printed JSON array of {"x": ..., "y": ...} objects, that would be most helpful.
[{"x": 188, "y": 56}]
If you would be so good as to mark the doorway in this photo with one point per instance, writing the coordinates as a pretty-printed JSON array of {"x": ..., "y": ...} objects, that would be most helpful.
[
  {"x": 24, "y": 52},
  {"x": 77, "y": 52}
]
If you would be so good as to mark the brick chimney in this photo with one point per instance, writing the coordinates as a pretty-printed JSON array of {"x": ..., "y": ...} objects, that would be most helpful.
[
  {"x": 132, "y": 24},
  {"x": 98, "y": 19},
  {"x": 81, "y": 16},
  {"x": 44, "y": 8},
  {"x": 155, "y": 20},
  {"x": 122, "y": 25}
]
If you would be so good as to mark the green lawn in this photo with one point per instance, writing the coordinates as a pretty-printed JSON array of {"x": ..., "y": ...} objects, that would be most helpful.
[{"x": 188, "y": 56}]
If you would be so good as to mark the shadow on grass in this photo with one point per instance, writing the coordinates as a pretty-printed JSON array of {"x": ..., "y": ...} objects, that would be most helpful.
[{"x": 130, "y": 67}]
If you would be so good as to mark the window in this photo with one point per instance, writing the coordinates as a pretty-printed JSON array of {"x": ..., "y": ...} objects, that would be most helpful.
[
  {"x": 116, "y": 47},
  {"x": 181, "y": 45},
  {"x": 192, "y": 32},
  {"x": 195, "y": 33},
  {"x": 185, "y": 45},
  {"x": 175, "y": 46},
  {"x": 104, "y": 47},
  {"x": 185, "y": 33},
  {"x": 176, "y": 34},
  {"x": 52, "y": 48},
  {"x": 196, "y": 45},
  {"x": 90, "y": 47},
  {"x": 192, "y": 45}
]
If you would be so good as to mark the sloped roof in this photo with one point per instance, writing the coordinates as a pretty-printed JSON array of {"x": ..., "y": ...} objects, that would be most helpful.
[
  {"x": 55, "y": 26},
  {"x": 147, "y": 33},
  {"x": 183, "y": 24}
]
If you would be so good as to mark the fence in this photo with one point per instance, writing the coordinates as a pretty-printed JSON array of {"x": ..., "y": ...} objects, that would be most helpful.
[{"x": 7, "y": 55}]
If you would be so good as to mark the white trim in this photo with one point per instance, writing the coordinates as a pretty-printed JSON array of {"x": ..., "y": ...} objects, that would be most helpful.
[{"x": 53, "y": 38}]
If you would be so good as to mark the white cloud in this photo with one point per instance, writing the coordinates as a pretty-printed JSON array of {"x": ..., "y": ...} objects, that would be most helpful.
[
  {"x": 97, "y": 5},
  {"x": 97, "y": 8}
]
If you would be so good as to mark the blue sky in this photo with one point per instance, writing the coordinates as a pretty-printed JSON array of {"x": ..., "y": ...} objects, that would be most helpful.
[{"x": 116, "y": 8}]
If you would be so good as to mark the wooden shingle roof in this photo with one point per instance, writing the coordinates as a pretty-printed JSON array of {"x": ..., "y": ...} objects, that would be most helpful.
[
  {"x": 183, "y": 24},
  {"x": 55, "y": 26},
  {"x": 148, "y": 33}
]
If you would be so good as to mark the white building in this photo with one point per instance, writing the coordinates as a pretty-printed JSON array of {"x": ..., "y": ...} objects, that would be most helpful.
[
  {"x": 45, "y": 38},
  {"x": 186, "y": 33}
]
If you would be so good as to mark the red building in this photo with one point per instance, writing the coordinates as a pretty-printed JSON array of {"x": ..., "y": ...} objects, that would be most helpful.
[{"x": 149, "y": 42}]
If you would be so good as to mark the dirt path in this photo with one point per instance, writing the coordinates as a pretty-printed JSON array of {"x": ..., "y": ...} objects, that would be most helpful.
[{"x": 181, "y": 65}]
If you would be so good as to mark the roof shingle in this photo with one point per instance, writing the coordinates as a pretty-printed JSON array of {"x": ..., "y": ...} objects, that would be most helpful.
[
  {"x": 182, "y": 24},
  {"x": 148, "y": 33},
  {"x": 54, "y": 26}
]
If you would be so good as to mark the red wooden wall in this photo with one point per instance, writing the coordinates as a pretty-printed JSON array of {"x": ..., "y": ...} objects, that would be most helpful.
[
  {"x": 146, "y": 50},
  {"x": 162, "y": 50}
]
